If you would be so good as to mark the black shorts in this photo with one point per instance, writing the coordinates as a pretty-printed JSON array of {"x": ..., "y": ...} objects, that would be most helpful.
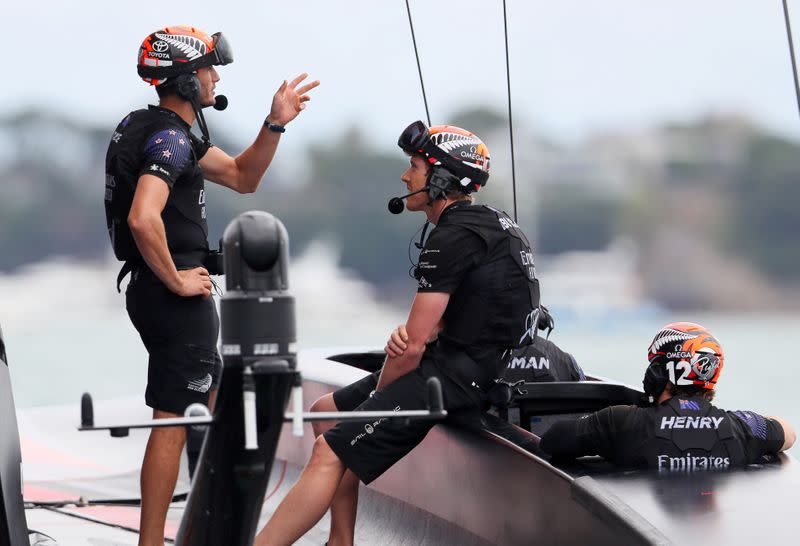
[
  {"x": 369, "y": 449},
  {"x": 353, "y": 395},
  {"x": 180, "y": 335}
]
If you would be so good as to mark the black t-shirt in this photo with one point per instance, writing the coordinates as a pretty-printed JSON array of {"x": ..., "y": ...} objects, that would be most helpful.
[
  {"x": 158, "y": 142},
  {"x": 449, "y": 253},
  {"x": 620, "y": 434}
]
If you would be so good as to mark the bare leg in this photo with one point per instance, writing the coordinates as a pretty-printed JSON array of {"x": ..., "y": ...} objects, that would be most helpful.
[
  {"x": 158, "y": 478},
  {"x": 307, "y": 501},
  {"x": 344, "y": 506}
]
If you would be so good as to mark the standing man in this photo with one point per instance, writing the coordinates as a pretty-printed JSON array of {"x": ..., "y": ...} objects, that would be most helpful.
[
  {"x": 477, "y": 296},
  {"x": 156, "y": 215},
  {"x": 682, "y": 432}
]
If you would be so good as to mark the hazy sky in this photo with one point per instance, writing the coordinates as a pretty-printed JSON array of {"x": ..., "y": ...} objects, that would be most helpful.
[{"x": 577, "y": 66}]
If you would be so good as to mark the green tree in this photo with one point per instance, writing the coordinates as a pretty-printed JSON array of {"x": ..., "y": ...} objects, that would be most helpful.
[
  {"x": 573, "y": 218},
  {"x": 764, "y": 220}
]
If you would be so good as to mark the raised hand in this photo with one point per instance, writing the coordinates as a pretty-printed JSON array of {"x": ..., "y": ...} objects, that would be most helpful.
[{"x": 289, "y": 100}]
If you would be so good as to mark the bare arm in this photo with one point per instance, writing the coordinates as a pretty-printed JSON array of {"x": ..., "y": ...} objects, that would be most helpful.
[
  {"x": 399, "y": 336},
  {"x": 426, "y": 312},
  {"x": 244, "y": 172},
  {"x": 789, "y": 435},
  {"x": 148, "y": 231}
]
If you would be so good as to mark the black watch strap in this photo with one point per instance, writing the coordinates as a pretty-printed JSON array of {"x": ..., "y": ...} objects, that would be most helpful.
[{"x": 274, "y": 127}]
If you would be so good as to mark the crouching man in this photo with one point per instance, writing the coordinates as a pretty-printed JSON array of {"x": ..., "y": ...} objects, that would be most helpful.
[{"x": 682, "y": 431}]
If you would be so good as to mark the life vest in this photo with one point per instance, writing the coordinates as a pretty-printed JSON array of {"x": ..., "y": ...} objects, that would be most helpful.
[
  {"x": 493, "y": 304},
  {"x": 184, "y": 214},
  {"x": 542, "y": 361},
  {"x": 690, "y": 435}
]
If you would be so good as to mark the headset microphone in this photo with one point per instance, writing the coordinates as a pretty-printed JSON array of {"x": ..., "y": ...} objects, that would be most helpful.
[
  {"x": 220, "y": 102},
  {"x": 396, "y": 205}
]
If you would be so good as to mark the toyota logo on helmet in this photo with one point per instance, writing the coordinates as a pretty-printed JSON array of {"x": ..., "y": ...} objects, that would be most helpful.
[{"x": 177, "y": 50}]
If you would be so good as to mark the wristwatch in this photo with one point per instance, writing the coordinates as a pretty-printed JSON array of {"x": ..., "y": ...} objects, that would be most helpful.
[{"x": 274, "y": 127}]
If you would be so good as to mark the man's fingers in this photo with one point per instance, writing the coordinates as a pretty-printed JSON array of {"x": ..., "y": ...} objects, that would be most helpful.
[
  {"x": 283, "y": 86},
  {"x": 298, "y": 79},
  {"x": 202, "y": 271},
  {"x": 305, "y": 98},
  {"x": 308, "y": 87}
]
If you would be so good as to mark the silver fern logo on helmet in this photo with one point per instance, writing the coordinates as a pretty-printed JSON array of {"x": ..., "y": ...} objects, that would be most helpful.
[
  {"x": 668, "y": 336},
  {"x": 190, "y": 46},
  {"x": 450, "y": 141}
]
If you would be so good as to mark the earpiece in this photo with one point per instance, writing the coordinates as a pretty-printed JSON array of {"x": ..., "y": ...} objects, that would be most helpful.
[
  {"x": 440, "y": 182},
  {"x": 188, "y": 86},
  {"x": 655, "y": 380}
]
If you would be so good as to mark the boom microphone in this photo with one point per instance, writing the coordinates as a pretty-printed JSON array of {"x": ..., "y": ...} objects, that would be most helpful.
[
  {"x": 220, "y": 102},
  {"x": 396, "y": 205}
]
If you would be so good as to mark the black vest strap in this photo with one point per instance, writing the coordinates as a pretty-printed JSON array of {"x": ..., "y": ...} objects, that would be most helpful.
[{"x": 126, "y": 268}]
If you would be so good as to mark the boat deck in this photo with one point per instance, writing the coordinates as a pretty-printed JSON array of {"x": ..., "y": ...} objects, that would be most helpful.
[{"x": 456, "y": 487}]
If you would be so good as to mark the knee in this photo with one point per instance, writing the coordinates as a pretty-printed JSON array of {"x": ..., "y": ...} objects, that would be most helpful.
[
  {"x": 324, "y": 403},
  {"x": 322, "y": 456}
]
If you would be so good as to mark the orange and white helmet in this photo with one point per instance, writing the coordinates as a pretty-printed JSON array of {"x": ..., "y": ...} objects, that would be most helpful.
[
  {"x": 177, "y": 50},
  {"x": 687, "y": 354},
  {"x": 457, "y": 150}
]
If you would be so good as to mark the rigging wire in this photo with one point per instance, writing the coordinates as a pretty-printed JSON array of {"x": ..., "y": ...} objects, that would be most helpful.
[
  {"x": 419, "y": 66},
  {"x": 510, "y": 122},
  {"x": 508, "y": 87},
  {"x": 791, "y": 53}
]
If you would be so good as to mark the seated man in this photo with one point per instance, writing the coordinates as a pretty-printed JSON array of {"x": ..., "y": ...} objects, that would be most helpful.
[
  {"x": 682, "y": 431},
  {"x": 542, "y": 360},
  {"x": 476, "y": 296}
]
